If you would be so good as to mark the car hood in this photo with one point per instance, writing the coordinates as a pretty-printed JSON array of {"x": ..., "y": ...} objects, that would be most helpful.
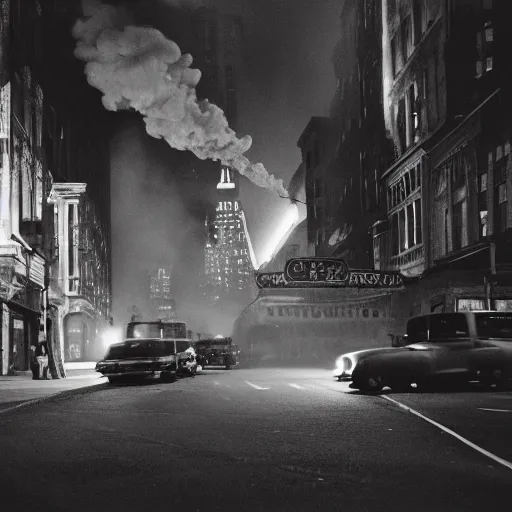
[{"x": 369, "y": 351}]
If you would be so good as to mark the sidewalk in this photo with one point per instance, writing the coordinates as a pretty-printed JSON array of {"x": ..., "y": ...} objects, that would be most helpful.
[{"x": 21, "y": 389}]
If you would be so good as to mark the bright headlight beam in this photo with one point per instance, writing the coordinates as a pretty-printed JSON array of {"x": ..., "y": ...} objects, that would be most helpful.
[{"x": 289, "y": 220}]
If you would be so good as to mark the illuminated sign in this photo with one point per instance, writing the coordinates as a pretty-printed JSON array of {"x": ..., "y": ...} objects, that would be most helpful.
[
  {"x": 307, "y": 270},
  {"x": 326, "y": 311},
  {"x": 326, "y": 272}
]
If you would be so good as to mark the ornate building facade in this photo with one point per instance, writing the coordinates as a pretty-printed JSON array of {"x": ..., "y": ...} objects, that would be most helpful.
[
  {"x": 446, "y": 104},
  {"x": 54, "y": 235}
]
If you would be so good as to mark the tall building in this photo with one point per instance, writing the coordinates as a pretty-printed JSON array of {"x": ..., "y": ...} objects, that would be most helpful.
[
  {"x": 345, "y": 154},
  {"x": 160, "y": 294},
  {"x": 446, "y": 96},
  {"x": 229, "y": 257},
  {"x": 55, "y": 195}
]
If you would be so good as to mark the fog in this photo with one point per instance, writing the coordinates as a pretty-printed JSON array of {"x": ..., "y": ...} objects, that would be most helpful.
[{"x": 160, "y": 196}]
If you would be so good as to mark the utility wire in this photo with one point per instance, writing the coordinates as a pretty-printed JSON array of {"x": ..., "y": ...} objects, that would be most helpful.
[{"x": 292, "y": 199}]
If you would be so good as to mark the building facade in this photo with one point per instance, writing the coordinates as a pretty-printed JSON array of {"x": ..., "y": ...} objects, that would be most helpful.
[
  {"x": 54, "y": 247},
  {"x": 343, "y": 188},
  {"x": 446, "y": 104}
]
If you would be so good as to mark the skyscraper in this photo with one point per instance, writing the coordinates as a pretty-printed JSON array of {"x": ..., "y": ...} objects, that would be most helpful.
[
  {"x": 160, "y": 296},
  {"x": 229, "y": 257}
]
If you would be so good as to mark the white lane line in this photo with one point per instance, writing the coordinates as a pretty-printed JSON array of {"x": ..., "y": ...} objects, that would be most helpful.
[
  {"x": 296, "y": 386},
  {"x": 254, "y": 385},
  {"x": 494, "y": 410},
  {"x": 467, "y": 442}
]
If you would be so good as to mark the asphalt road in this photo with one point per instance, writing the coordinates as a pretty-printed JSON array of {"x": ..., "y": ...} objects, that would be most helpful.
[{"x": 251, "y": 440}]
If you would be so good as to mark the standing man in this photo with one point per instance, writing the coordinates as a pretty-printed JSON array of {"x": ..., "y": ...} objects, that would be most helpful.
[{"x": 41, "y": 354}]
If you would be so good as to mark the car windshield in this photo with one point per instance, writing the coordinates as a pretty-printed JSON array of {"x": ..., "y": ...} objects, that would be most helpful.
[
  {"x": 449, "y": 326},
  {"x": 156, "y": 330},
  {"x": 221, "y": 343},
  {"x": 494, "y": 325}
]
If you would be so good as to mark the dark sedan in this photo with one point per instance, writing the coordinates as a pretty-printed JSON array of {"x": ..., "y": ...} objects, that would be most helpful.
[{"x": 442, "y": 347}]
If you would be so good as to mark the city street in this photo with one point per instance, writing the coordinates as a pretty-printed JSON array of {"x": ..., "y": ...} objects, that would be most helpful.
[{"x": 254, "y": 439}]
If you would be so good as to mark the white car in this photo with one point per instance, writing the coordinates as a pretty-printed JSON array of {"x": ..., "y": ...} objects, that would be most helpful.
[{"x": 346, "y": 363}]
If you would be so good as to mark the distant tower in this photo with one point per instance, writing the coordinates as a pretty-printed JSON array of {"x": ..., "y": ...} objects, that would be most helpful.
[
  {"x": 162, "y": 303},
  {"x": 229, "y": 257}
]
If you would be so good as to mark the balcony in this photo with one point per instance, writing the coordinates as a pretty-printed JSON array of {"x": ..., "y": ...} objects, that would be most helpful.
[{"x": 409, "y": 258}]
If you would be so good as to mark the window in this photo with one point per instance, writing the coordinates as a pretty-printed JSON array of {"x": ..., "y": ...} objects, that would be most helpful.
[
  {"x": 395, "y": 57},
  {"x": 448, "y": 326},
  {"x": 503, "y": 305},
  {"x": 401, "y": 125},
  {"x": 418, "y": 232},
  {"x": 484, "y": 49},
  {"x": 432, "y": 88},
  {"x": 71, "y": 240},
  {"x": 471, "y": 305},
  {"x": 420, "y": 19},
  {"x": 414, "y": 115},
  {"x": 402, "y": 230},
  {"x": 407, "y": 43},
  {"x": 459, "y": 220},
  {"x": 410, "y": 225},
  {"x": 395, "y": 249},
  {"x": 501, "y": 207}
]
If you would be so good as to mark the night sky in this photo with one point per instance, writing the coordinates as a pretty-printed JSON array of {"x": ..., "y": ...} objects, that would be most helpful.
[{"x": 287, "y": 78}]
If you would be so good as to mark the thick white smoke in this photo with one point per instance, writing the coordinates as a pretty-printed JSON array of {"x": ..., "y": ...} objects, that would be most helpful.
[{"x": 138, "y": 68}]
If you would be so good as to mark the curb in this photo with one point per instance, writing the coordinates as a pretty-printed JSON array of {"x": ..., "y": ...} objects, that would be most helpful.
[{"x": 59, "y": 394}]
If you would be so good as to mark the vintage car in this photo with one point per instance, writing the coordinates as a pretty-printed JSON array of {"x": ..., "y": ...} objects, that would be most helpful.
[
  {"x": 439, "y": 348},
  {"x": 217, "y": 352},
  {"x": 148, "y": 358}
]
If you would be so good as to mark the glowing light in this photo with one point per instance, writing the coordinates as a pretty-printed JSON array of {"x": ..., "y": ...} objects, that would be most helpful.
[
  {"x": 249, "y": 243},
  {"x": 289, "y": 221},
  {"x": 111, "y": 335}
]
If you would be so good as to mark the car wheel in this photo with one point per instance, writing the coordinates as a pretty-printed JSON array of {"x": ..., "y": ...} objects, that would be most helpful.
[
  {"x": 371, "y": 383},
  {"x": 497, "y": 377},
  {"x": 168, "y": 376},
  {"x": 400, "y": 386},
  {"x": 113, "y": 380}
]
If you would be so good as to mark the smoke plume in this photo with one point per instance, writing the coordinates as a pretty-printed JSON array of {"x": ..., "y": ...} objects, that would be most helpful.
[{"x": 139, "y": 68}]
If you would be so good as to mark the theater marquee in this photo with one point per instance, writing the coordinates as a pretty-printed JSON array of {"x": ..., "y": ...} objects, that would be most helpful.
[{"x": 326, "y": 272}]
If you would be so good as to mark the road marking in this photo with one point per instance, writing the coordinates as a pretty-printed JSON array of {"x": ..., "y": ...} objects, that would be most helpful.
[
  {"x": 254, "y": 385},
  {"x": 467, "y": 442},
  {"x": 296, "y": 386},
  {"x": 494, "y": 410}
]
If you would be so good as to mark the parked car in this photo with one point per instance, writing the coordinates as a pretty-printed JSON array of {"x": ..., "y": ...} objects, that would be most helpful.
[
  {"x": 440, "y": 347},
  {"x": 148, "y": 358},
  {"x": 217, "y": 352}
]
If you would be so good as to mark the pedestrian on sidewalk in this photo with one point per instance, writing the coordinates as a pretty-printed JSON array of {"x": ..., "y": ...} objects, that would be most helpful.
[{"x": 41, "y": 353}]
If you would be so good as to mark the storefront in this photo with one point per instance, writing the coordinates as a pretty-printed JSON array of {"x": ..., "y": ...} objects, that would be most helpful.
[
  {"x": 315, "y": 309},
  {"x": 20, "y": 315}
]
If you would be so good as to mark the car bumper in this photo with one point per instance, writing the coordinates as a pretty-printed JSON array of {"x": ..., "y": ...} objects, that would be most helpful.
[
  {"x": 341, "y": 374},
  {"x": 130, "y": 373}
]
